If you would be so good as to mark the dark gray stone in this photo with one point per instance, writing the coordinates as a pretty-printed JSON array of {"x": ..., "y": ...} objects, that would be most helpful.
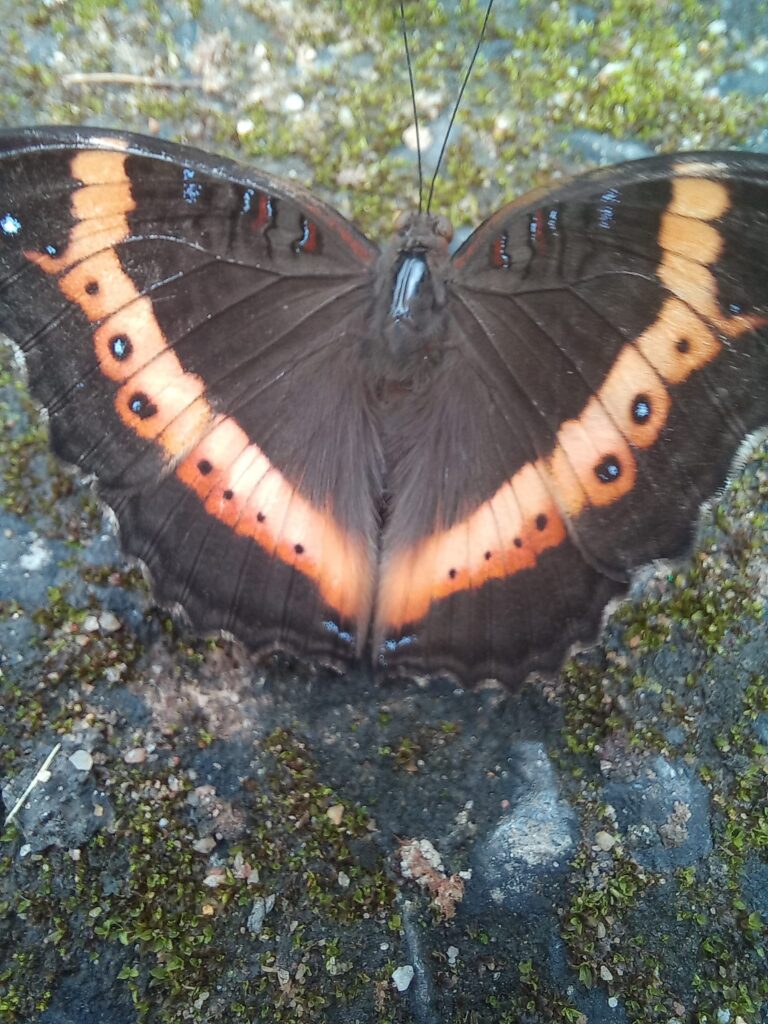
[
  {"x": 662, "y": 811},
  {"x": 66, "y": 809},
  {"x": 517, "y": 863},
  {"x": 747, "y": 81}
]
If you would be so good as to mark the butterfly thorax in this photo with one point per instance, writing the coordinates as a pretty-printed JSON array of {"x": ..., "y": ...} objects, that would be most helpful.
[{"x": 407, "y": 323}]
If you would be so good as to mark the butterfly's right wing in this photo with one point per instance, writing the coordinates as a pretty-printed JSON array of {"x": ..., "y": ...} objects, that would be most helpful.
[{"x": 606, "y": 354}]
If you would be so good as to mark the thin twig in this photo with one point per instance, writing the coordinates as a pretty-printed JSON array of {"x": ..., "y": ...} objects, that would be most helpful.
[
  {"x": 39, "y": 776},
  {"x": 119, "y": 78}
]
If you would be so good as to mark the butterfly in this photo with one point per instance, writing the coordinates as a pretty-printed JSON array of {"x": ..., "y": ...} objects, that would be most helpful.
[{"x": 443, "y": 463}]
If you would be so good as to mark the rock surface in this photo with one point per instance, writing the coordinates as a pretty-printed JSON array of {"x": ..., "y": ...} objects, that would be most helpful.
[{"x": 602, "y": 836}]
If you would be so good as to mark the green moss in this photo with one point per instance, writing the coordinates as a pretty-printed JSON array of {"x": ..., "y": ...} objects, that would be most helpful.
[
  {"x": 184, "y": 951},
  {"x": 420, "y": 747},
  {"x": 632, "y": 72},
  {"x": 608, "y": 929},
  {"x": 25, "y": 465},
  {"x": 34, "y": 485},
  {"x": 620, "y": 700}
]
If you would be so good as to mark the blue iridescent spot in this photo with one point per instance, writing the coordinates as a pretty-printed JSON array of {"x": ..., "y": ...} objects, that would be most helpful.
[
  {"x": 734, "y": 307},
  {"x": 552, "y": 219},
  {"x": 192, "y": 190},
  {"x": 120, "y": 347},
  {"x": 248, "y": 199},
  {"x": 10, "y": 225},
  {"x": 331, "y": 627},
  {"x": 606, "y": 212},
  {"x": 641, "y": 410},
  {"x": 393, "y": 645},
  {"x": 306, "y": 234},
  {"x": 608, "y": 470},
  {"x": 142, "y": 406},
  {"x": 51, "y": 250}
]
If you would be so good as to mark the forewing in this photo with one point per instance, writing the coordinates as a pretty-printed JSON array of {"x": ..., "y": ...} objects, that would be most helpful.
[
  {"x": 610, "y": 345},
  {"x": 189, "y": 327}
]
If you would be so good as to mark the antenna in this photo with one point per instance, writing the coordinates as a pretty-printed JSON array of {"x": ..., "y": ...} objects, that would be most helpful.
[
  {"x": 455, "y": 108},
  {"x": 413, "y": 100}
]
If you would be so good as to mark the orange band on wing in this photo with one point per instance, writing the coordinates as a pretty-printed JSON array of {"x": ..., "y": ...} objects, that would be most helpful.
[
  {"x": 164, "y": 403},
  {"x": 593, "y": 461}
]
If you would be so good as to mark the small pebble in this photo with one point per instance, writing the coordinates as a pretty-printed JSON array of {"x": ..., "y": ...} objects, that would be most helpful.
[
  {"x": 613, "y": 1002},
  {"x": 261, "y": 907},
  {"x": 90, "y": 624},
  {"x": 452, "y": 953},
  {"x": 137, "y": 755},
  {"x": 293, "y": 103},
  {"x": 425, "y": 135},
  {"x": 409, "y": 137},
  {"x": 204, "y": 845},
  {"x": 605, "y": 840},
  {"x": 81, "y": 760},
  {"x": 343, "y": 879},
  {"x": 613, "y": 67},
  {"x": 306, "y": 55},
  {"x": 605, "y": 974},
  {"x": 109, "y": 622},
  {"x": 402, "y": 977},
  {"x": 256, "y": 916},
  {"x": 335, "y": 813}
]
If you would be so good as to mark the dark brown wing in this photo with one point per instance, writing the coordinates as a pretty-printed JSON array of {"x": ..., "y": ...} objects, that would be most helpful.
[
  {"x": 608, "y": 352},
  {"x": 191, "y": 329}
]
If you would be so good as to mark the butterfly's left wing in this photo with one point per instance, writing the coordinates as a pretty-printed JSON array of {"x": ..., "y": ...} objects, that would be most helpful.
[
  {"x": 190, "y": 328},
  {"x": 607, "y": 352}
]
